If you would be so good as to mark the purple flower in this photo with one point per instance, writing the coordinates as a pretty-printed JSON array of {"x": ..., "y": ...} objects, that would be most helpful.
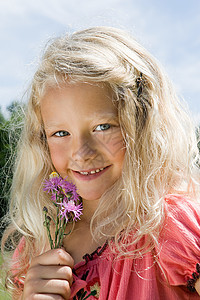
[
  {"x": 52, "y": 185},
  {"x": 70, "y": 208},
  {"x": 69, "y": 187},
  {"x": 60, "y": 188}
]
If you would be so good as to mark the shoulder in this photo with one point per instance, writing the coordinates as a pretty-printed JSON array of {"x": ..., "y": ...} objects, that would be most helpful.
[
  {"x": 177, "y": 202},
  {"x": 179, "y": 241},
  {"x": 182, "y": 217},
  {"x": 181, "y": 227}
]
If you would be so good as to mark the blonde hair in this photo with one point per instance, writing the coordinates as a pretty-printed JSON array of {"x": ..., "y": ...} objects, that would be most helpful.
[{"x": 160, "y": 139}]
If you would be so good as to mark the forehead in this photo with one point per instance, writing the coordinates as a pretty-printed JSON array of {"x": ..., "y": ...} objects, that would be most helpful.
[{"x": 76, "y": 97}]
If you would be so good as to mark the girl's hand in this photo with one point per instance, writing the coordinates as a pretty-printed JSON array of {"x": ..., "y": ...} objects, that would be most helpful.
[{"x": 49, "y": 276}]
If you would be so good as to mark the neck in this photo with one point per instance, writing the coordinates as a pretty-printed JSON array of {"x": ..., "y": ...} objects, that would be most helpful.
[{"x": 89, "y": 207}]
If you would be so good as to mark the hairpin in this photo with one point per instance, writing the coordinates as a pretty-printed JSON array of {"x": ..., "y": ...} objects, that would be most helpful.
[
  {"x": 139, "y": 84},
  {"x": 141, "y": 100}
]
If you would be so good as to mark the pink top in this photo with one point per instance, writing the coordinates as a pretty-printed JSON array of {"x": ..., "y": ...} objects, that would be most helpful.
[{"x": 178, "y": 253}]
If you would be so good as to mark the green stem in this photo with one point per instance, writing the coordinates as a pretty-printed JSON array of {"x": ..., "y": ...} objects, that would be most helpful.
[
  {"x": 53, "y": 219},
  {"x": 62, "y": 231},
  {"x": 48, "y": 232},
  {"x": 57, "y": 222},
  {"x": 93, "y": 293}
]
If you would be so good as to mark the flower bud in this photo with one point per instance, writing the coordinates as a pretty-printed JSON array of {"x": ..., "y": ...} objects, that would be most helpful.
[
  {"x": 45, "y": 209},
  {"x": 53, "y": 174},
  {"x": 48, "y": 219}
]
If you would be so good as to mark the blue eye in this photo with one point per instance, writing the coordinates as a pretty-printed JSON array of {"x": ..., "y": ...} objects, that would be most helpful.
[
  {"x": 103, "y": 127},
  {"x": 61, "y": 133}
]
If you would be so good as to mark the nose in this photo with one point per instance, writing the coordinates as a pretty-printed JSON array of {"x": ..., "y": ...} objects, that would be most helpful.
[{"x": 83, "y": 149}]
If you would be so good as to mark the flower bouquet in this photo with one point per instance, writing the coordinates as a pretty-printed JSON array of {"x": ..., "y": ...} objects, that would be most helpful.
[
  {"x": 68, "y": 207},
  {"x": 68, "y": 210}
]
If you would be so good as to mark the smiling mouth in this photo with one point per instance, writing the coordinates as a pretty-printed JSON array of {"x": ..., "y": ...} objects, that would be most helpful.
[{"x": 86, "y": 173}]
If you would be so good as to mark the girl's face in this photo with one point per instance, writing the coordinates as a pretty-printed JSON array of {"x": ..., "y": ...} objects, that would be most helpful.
[{"x": 84, "y": 136}]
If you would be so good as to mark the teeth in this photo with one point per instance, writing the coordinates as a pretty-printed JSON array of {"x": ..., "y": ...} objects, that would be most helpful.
[{"x": 92, "y": 172}]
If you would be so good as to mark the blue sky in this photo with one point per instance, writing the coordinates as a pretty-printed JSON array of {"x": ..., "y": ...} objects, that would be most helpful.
[{"x": 170, "y": 30}]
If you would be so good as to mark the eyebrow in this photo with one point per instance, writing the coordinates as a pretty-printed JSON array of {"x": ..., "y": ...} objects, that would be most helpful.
[
  {"x": 105, "y": 115},
  {"x": 98, "y": 117}
]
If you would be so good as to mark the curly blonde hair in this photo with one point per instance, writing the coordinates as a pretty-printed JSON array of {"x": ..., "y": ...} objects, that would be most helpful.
[{"x": 160, "y": 139}]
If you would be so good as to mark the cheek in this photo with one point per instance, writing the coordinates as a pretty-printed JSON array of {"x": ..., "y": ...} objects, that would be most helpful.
[
  {"x": 114, "y": 145},
  {"x": 59, "y": 156}
]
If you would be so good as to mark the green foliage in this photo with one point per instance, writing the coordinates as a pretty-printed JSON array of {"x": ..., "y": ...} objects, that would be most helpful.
[
  {"x": 2, "y": 119},
  {"x": 198, "y": 137},
  {"x": 3, "y": 293},
  {"x": 10, "y": 129}
]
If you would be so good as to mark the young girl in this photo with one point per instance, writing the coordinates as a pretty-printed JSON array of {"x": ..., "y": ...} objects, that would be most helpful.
[{"x": 103, "y": 114}]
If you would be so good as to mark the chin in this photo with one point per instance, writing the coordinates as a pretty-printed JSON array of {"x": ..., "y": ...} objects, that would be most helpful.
[{"x": 90, "y": 197}]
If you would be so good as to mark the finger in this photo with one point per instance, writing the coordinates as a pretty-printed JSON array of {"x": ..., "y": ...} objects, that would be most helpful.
[
  {"x": 49, "y": 272},
  {"x": 52, "y": 286},
  {"x": 54, "y": 257},
  {"x": 48, "y": 297}
]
